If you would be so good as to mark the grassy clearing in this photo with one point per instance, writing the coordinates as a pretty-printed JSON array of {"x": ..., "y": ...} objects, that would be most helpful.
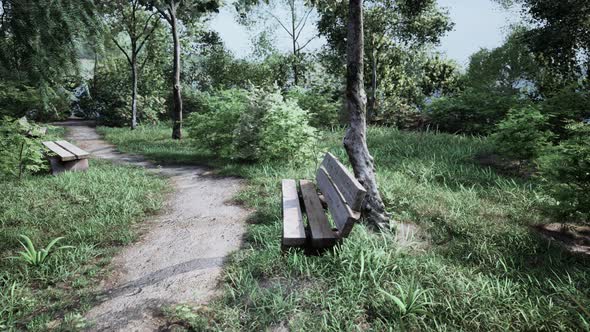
[
  {"x": 484, "y": 269},
  {"x": 95, "y": 211}
]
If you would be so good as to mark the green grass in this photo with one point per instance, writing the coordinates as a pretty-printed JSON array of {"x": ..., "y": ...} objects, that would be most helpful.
[
  {"x": 95, "y": 211},
  {"x": 484, "y": 268},
  {"x": 154, "y": 142}
]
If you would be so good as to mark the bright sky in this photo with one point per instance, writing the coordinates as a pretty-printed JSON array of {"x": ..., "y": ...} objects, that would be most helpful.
[{"x": 478, "y": 24}]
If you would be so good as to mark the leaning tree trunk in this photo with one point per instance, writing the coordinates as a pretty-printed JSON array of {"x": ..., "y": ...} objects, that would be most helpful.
[
  {"x": 355, "y": 140},
  {"x": 134, "y": 90},
  {"x": 177, "y": 98}
]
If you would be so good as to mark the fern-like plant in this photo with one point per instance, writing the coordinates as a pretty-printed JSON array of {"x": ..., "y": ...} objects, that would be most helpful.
[{"x": 36, "y": 257}]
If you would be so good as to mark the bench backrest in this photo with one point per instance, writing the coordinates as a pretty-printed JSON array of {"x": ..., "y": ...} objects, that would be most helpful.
[{"x": 342, "y": 192}]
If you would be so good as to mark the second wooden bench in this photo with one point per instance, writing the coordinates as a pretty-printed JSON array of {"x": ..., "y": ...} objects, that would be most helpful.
[{"x": 68, "y": 157}]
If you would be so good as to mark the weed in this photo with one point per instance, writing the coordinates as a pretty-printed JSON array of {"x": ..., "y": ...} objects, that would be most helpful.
[{"x": 37, "y": 257}]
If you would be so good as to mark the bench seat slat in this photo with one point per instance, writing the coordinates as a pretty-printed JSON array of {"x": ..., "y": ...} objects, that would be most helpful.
[
  {"x": 349, "y": 186},
  {"x": 344, "y": 217},
  {"x": 322, "y": 235},
  {"x": 293, "y": 229},
  {"x": 63, "y": 154},
  {"x": 79, "y": 153}
]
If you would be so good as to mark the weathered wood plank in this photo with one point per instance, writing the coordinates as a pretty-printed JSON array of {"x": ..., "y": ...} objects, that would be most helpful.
[
  {"x": 293, "y": 229},
  {"x": 344, "y": 217},
  {"x": 349, "y": 186},
  {"x": 322, "y": 235},
  {"x": 79, "y": 153},
  {"x": 63, "y": 154}
]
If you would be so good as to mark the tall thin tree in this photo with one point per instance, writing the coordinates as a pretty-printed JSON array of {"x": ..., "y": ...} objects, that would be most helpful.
[
  {"x": 129, "y": 17},
  {"x": 171, "y": 10}
]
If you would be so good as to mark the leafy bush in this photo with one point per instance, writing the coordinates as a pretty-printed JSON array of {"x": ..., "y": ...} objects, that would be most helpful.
[
  {"x": 251, "y": 125},
  {"x": 193, "y": 101},
  {"x": 42, "y": 104},
  {"x": 110, "y": 100},
  {"x": 571, "y": 103},
  {"x": 213, "y": 125},
  {"x": 522, "y": 134},
  {"x": 394, "y": 112},
  {"x": 16, "y": 101},
  {"x": 567, "y": 170},
  {"x": 471, "y": 112},
  {"x": 272, "y": 128},
  {"x": 322, "y": 110},
  {"x": 19, "y": 153}
]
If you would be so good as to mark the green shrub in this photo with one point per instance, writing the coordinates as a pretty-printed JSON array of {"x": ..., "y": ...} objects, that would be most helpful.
[
  {"x": 193, "y": 101},
  {"x": 19, "y": 153},
  {"x": 272, "y": 128},
  {"x": 42, "y": 104},
  {"x": 471, "y": 112},
  {"x": 396, "y": 113},
  {"x": 567, "y": 170},
  {"x": 213, "y": 125},
  {"x": 110, "y": 100},
  {"x": 17, "y": 101},
  {"x": 322, "y": 110},
  {"x": 571, "y": 103},
  {"x": 251, "y": 125},
  {"x": 522, "y": 134}
]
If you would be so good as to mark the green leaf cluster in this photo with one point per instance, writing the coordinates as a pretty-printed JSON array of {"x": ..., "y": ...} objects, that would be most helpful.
[
  {"x": 252, "y": 125},
  {"x": 566, "y": 168},
  {"x": 523, "y": 134},
  {"x": 20, "y": 151}
]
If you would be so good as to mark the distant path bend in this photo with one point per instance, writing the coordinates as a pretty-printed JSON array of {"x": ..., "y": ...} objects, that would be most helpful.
[{"x": 180, "y": 256}]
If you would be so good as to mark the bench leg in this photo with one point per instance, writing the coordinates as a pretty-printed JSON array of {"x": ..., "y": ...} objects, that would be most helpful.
[{"x": 58, "y": 166}]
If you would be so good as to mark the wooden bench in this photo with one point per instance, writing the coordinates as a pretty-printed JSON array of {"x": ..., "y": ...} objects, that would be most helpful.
[
  {"x": 340, "y": 192},
  {"x": 68, "y": 157}
]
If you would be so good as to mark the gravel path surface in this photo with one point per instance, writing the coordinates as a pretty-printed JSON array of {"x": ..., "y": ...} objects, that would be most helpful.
[{"x": 180, "y": 256}]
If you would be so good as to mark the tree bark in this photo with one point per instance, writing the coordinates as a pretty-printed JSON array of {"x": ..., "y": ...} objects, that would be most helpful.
[
  {"x": 355, "y": 140},
  {"x": 176, "y": 94},
  {"x": 134, "y": 89},
  {"x": 373, "y": 99}
]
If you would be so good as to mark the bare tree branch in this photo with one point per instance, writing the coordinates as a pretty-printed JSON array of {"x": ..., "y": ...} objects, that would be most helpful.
[
  {"x": 303, "y": 26},
  {"x": 304, "y": 19},
  {"x": 145, "y": 60},
  {"x": 281, "y": 23},
  {"x": 306, "y": 43},
  {"x": 145, "y": 26},
  {"x": 146, "y": 37},
  {"x": 122, "y": 50}
]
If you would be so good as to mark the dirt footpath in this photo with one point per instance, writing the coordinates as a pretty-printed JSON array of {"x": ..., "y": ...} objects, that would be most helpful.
[{"x": 180, "y": 256}]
